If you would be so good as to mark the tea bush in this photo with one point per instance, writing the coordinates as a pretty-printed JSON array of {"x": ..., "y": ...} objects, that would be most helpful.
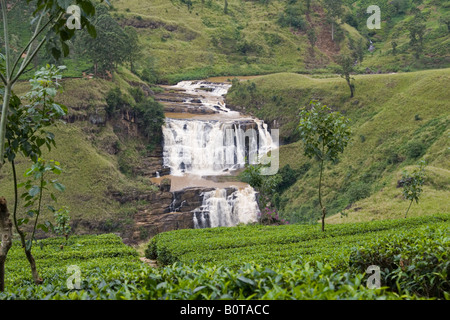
[{"x": 417, "y": 261}]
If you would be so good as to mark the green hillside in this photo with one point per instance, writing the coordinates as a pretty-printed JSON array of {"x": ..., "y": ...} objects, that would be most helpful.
[
  {"x": 110, "y": 146},
  {"x": 397, "y": 119},
  {"x": 194, "y": 39},
  {"x": 93, "y": 150},
  {"x": 258, "y": 37}
]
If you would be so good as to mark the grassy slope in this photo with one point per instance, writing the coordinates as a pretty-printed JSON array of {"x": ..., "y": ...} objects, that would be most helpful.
[
  {"x": 90, "y": 173},
  {"x": 383, "y": 119},
  {"x": 188, "y": 49},
  {"x": 436, "y": 41},
  {"x": 180, "y": 43}
]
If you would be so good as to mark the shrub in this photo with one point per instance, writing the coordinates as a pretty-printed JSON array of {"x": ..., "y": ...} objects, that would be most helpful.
[
  {"x": 358, "y": 190},
  {"x": 114, "y": 101},
  {"x": 415, "y": 261},
  {"x": 270, "y": 217},
  {"x": 415, "y": 149}
]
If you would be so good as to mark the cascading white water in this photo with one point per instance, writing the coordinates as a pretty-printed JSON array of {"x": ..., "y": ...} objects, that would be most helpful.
[
  {"x": 211, "y": 147},
  {"x": 220, "y": 210},
  {"x": 215, "y": 147}
]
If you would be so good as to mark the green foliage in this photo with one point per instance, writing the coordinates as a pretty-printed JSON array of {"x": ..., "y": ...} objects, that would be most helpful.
[
  {"x": 412, "y": 183},
  {"x": 270, "y": 245},
  {"x": 26, "y": 130},
  {"x": 149, "y": 114},
  {"x": 346, "y": 68},
  {"x": 289, "y": 177},
  {"x": 384, "y": 115},
  {"x": 115, "y": 102},
  {"x": 137, "y": 93},
  {"x": 150, "y": 118},
  {"x": 265, "y": 185},
  {"x": 415, "y": 149},
  {"x": 112, "y": 271},
  {"x": 62, "y": 226},
  {"x": 112, "y": 46},
  {"x": 325, "y": 134},
  {"x": 51, "y": 25},
  {"x": 358, "y": 190},
  {"x": 293, "y": 16},
  {"x": 414, "y": 261},
  {"x": 40, "y": 173},
  {"x": 416, "y": 28}
]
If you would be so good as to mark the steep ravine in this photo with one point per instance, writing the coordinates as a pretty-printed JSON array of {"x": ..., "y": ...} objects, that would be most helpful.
[{"x": 205, "y": 144}]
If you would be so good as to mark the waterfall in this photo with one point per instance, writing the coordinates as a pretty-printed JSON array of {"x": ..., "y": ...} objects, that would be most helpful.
[
  {"x": 216, "y": 147},
  {"x": 220, "y": 210},
  {"x": 211, "y": 147}
]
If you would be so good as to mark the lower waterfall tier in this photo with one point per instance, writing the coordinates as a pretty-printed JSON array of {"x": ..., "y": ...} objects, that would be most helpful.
[{"x": 222, "y": 210}]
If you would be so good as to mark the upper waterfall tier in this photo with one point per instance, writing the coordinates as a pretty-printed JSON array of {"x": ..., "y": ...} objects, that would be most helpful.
[
  {"x": 198, "y": 99},
  {"x": 214, "y": 145}
]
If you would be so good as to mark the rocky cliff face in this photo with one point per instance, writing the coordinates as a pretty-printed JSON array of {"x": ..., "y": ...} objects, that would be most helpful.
[{"x": 167, "y": 211}]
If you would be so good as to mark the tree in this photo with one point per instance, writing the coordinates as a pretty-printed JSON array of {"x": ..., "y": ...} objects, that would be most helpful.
[
  {"x": 33, "y": 196},
  {"x": 54, "y": 29},
  {"x": 150, "y": 119},
  {"x": 346, "y": 64},
  {"x": 225, "y": 7},
  {"x": 51, "y": 25},
  {"x": 412, "y": 183},
  {"x": 62, "y": 223},
  {"x": 334, "y": 11},
  {"x": 134, "y": 48},
  {"x": 416, "y": 28},
  {"x": 360, "y": 50},
  {"x": 312, "y": 37},
  {"x": 111, "y": 47},
  {"x": 325, "y": 134},
  {"x": 6, "y": 235},
  {"x": 357, "y": 49},
  {"x": 26, "y": 134}
]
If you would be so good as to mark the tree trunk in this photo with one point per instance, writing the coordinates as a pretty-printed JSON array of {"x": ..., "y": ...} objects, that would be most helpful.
[
  {"x": 324, "y": 210},
  {"x": 408, "y": 208},
  {"x": 324, "y": 213},
  {"x": 6, "y": 237},
  {"x": 351, "y": 86},
  {"x": 34, "y": 272},
  {"x": 332, "y": 31}
]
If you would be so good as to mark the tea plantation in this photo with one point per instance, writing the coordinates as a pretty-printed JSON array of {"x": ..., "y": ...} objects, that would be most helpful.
[{"x": 246, "y": 262}]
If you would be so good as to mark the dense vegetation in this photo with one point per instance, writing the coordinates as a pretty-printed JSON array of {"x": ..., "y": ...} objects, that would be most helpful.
[
  {"x": 114, "y": 124},
  {"x": 318, "y": 266},
  {"x": 396, "y": 120},
  {"x": 271, "y": 245},
  {"x": 254, "y": 37}
]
